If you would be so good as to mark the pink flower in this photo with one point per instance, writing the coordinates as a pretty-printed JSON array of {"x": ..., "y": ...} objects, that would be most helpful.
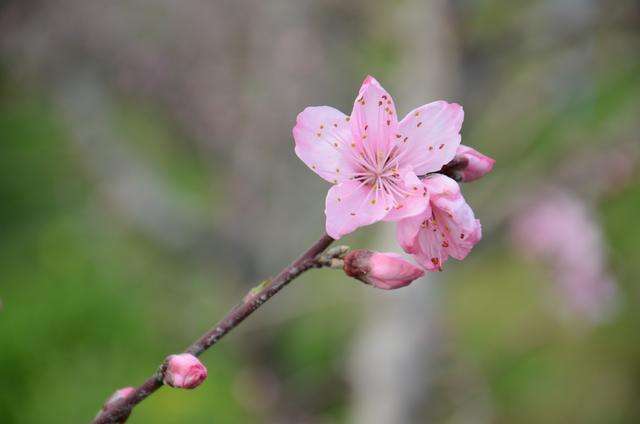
[
  {"x": 372, "y": 159},
  {"x": 385, "y": 271},
  {"x": 446, "y": 228},
  {"x": 476, "y": 164},
  {"x": 184, "y": 371},
  {"x": 559, "y": 229}
]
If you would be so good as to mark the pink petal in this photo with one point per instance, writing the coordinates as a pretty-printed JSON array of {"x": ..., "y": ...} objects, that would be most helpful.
[
  {"x": 429, "y": 250},
  {"x": 407, "y": 231},
  {"x": 322, "y": 135},
  {"x": 414, "y": 203},
  {"x": 430, "y": 136},
  {"x": 352, "y": 204},
  {"x": 373, "y": 119}
]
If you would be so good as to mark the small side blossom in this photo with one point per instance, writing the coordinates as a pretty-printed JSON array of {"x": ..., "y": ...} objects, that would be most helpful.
[
  {"x": 387, "y": 271},
  {"x": 372, "y": 159},
  {"x": 446, "y": 228},
  {"x": 476, "y": 164},
  {"x": 184, "y": 371}
]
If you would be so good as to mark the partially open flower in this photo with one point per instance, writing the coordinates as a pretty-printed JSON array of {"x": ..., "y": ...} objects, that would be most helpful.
[
  {"x": 447, "y": 228},
  {"x": 184, "y": 371},
  {"x": 385, "y": 271},
  {"x": 470, "y": 164}
]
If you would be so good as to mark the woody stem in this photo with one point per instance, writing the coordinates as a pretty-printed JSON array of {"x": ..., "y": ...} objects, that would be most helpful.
[{"x": 118, "y": 411}]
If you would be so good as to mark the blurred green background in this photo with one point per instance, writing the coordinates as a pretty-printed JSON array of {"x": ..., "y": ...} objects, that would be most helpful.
[{"x": 148, "y": 180}]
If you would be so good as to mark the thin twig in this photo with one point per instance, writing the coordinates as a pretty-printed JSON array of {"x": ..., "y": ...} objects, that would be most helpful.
[{"x": 118, "y": 411}]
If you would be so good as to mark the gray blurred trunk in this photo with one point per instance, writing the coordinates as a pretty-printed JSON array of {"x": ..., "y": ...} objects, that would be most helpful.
[{"x": 393, "y": 360}]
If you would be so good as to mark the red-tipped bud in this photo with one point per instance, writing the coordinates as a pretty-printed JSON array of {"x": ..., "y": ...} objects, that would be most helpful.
[
  {"x": 184, "y": 371},
  {"x": 477, "y": 164},
  {"x": 386, "y": 271}
]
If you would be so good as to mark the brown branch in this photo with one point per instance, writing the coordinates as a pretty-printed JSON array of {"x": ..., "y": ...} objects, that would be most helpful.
[{"x": 118, "y": 411}]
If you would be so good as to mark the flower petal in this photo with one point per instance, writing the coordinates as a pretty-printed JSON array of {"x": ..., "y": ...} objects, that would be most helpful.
[
  {"x": 430, "y": 136},
  {"x": 407, "y": 231},
  {"x": 454, "y": 215},
  {"x": 352, "y": 204},
  {"x": 414, "y": 203},
  {"x": 373, "y": 119},
  {"x": 429, "y": 251},
  {"x": 322, "y": 135}
]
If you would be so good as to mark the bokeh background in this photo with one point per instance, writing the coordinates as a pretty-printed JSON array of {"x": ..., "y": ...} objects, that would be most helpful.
[{"x": 148, "y": 179}]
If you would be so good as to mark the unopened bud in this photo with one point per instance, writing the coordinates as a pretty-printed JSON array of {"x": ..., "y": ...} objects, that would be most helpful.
[
  {"x": 477, "y": 164},
  {"x": 184, "y": 371},
  {"x": 386, "y": 271},
  {"x": 118, "y": 395}
]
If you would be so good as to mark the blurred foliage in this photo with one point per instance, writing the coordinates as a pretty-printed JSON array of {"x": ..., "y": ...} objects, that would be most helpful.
[{"x": 90, "y": 315}]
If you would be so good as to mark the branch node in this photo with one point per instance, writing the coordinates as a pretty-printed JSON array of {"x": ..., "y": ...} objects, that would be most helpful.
[
  {"x": 332, "y": 258},
  {"x": 159, "y": 374},
  {"x": 254, "y": 292}
]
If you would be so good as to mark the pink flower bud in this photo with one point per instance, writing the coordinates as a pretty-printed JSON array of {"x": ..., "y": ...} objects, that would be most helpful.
[
  {"x": 184, "y": 371},
  {"x": 477, "y": 164},
  {"x": 386, "y": 271},
  {"x": 118, "y": 395}
]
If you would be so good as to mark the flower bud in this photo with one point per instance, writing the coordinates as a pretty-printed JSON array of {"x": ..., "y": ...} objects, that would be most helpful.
[
  {"x": 385, "y": 271},
  {"x": 184, "y": 371},
  {"x": 119, "y": 394},
  {"x": 477, "y": 164}
]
